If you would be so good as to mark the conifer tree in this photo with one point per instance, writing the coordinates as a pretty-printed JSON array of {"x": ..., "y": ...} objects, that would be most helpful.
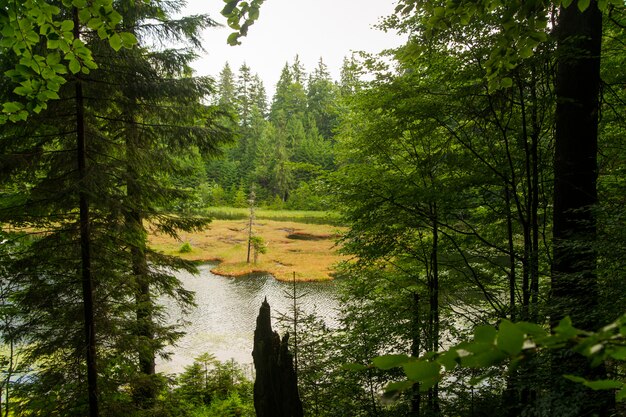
[
  {"x": 321, "y": 98},
  {"x": 226, "y": 87},
  {"x": 138, "y": 109}
]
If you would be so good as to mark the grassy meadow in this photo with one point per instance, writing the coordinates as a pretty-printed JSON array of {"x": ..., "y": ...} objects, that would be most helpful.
[
  {"x": 308, "y": 249},
  {"x": 298, "y": 216}
]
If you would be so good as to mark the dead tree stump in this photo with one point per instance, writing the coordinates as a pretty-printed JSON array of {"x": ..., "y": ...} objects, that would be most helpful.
[{"x": 275, "y": 385}]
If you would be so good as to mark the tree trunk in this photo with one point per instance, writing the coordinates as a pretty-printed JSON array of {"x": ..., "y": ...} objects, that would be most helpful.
[
  {"x": 511, "y": 248},
  {"x": 275, "y": 387},
  {"x": 144, "y": 393},
  {"x": 574, "y": 281},
  {"x": 415, "y": 352},
  {"x": 85, "y": 242},
  {"x": 433, "y": 393}
]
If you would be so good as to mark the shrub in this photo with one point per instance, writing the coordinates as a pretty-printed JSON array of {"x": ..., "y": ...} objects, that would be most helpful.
[{"x": 185, "y": 248}]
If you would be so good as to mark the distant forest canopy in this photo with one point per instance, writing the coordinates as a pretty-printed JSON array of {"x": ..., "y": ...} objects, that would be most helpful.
[{"x": 283, "y": 148}]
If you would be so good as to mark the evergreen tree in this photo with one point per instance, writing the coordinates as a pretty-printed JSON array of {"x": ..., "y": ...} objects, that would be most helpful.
[
  {"x": 259, "y": 95},
  {"x": 244, "y": 95},
  {"x": 349, "y": 80},
  {"x": 321, "y": 99},
  {"x": 226, "y": 91},
  {"x": 145, "y": 112},
  {"x": 290, "y": 96}
]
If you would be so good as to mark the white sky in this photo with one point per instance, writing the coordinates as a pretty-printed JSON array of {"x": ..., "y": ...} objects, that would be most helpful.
[{"x": 330, "y": 29}]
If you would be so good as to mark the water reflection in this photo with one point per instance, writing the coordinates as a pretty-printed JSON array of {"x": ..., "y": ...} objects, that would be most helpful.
[{"x": 223, "y": 321}]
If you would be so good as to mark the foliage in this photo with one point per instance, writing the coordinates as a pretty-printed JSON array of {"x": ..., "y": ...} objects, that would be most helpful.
[
  {"x": 185, "y": 248},
  {"x": 215, "y": 388},
  {"x": 522, "y": 27},
  {"x": 241, "y": 15},
  {"x": 140, "y": 110},
  {"x": 41, "y": 71},
  {"x": 283, "y": 151},
  {"x": 512, "y": 343}
]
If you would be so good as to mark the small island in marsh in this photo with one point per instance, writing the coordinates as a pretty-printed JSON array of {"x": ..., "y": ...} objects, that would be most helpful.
[{"x": 309, "y": 250}]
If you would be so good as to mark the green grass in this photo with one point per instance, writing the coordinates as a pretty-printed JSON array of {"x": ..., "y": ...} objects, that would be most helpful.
[{"x": 298, "y": 216}]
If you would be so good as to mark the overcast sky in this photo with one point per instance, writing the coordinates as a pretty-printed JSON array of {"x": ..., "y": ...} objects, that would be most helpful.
[{"x": 330, "y": 29}]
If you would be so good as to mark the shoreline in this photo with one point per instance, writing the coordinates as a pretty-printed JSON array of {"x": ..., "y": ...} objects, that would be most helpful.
[{"x": 308, "y": 250}]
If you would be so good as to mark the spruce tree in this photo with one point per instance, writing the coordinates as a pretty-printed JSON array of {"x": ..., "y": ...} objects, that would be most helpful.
[{"x": 138, "y": 110}]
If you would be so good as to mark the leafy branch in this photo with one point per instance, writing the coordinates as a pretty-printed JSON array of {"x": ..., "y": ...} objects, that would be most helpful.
[
  {"x": 40, "y": 70},
  {"x": 241, "y": 15},
  {"x": 523, "y": 26},
  {"x": 510, "y": 343}
]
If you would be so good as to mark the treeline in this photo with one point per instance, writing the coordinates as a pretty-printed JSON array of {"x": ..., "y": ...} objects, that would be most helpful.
[
  {"x": 283, "y": 149},
  {"x": 480, "y": 185}
]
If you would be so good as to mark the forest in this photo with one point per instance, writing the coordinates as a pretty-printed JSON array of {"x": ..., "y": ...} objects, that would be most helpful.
[{"x": 478, "y": 172}]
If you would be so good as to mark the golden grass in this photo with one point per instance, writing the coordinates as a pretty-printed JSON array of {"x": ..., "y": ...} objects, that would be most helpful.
[{"x": 307, "y": 249}]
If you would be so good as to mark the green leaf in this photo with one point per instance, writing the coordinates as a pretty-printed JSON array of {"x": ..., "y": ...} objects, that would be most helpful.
[
  {"x": 566, "y": 3},
  {"x": 11, "y": 107},
  {"x": 448, "y": 359},
  {"x": 116, "y": 42},
  {"x": 526, "y": 52},
  {"x": 398, "y": 386},
  {"x": 23, "y": 91},
  {"x": 19, "y": 116},
  {"x": 230, "y": 6},
  {"x": 353, "y": 367},
  {"x": 565, "y": 328},
  {"x": 74, "y": 66},
  {"x": 114, "y": 18},
  {"x": 103, "y": 32},
  {"x": 601, "y": 384},
  {"x": 84, "y": 15},
  {"x": 67, "y": 26},
  {"x": 233, "y": 39},
  {"x": 53, "y": 59},
  {"x": 583, "y": 5},
  {"x": 128, "y": 39},
  {"x": 510, "y": 338},
  {"x": 421, "y": 371},
  {"x": 506, "y": 82},
  {"x": 604, "y": 384},
  {"x": 484, "y": 359},
  {"x": 618, "y": 353},
  {"x": 46, "y": 95},
  {"x": 621, "y": 394},
  {"x": 485, "y": 334},
  {"x": 531, "y": 329},
  {"x": 387, "y": 362},
  {"x": 95, "y": 23}
]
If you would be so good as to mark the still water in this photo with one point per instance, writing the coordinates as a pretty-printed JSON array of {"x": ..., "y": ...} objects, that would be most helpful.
[{"x": 225, "y": 317}]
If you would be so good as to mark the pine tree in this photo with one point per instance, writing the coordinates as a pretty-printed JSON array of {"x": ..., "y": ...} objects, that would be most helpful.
[
  {"x": 137, "y": 109},
  {"x": 321, "y": 99},
  {"x": 226, "y": 88}
]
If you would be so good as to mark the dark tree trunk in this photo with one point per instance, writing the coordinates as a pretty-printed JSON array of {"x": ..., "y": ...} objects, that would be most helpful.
[
  {"x": 145, "y": 392},
  {"x": 511, "y": 248},
  {"x": 433, "y": 295},
  {"x": 574, "y": 281},
  {"x": 85, "y": 243},
  {"x": 275, "y": 387},
  {"x": 415, "y": 352}
]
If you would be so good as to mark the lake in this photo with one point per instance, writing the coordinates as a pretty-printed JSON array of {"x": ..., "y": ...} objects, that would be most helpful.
[{"x": 225, "y": 317}]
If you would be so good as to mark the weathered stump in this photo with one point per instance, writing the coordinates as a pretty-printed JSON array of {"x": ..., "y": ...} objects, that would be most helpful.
[{"x": 275, "y": 386}]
